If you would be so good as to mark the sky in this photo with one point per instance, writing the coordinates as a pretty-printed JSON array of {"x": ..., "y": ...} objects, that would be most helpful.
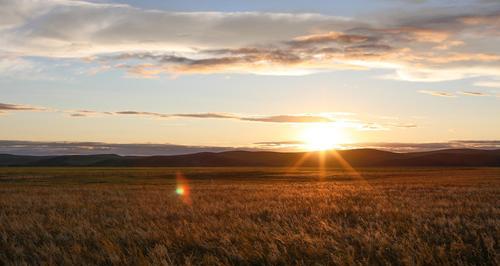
[{"x": 171, "y": 77}]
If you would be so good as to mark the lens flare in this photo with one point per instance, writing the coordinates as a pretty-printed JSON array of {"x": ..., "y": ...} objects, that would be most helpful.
[
  {"x": 180, "y": 191},
  {"x": 182, "y": 188}
]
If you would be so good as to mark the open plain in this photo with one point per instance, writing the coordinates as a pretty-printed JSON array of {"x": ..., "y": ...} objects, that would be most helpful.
[{"x": 250, "y": 216}]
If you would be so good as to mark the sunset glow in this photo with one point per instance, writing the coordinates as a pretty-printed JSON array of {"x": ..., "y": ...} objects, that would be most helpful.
[
  {"x": 322, "y": 136},
  {"x": 175, "y": 77}
]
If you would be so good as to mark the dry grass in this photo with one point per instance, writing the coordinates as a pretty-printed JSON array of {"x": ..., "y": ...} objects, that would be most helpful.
[{"x": 132, "y": 216}]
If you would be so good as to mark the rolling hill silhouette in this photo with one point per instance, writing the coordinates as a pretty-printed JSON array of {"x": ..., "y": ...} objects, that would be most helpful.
[{"x": 357, "y": 157}]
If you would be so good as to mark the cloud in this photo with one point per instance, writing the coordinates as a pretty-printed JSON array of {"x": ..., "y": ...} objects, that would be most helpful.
[
  {"x": 370, "y": 126},
  {"x": 142, "y": 113},
  {"x": 376, "y": 126},
  {"x": 270, "y": 119},
  {"x": 414, "y": 147},
  {"x": 109, "y": 28},
  {"x": 489, "y": 84},
  {"x": 279, "y": 144},
  {"x": 81, "y": 148},
  {"x": 289, "y": 119},
  {"x": 425, "y": 45},
  {"x": 87, "y": 113},
  {"x": 438, "y": 93},
  {"x": 473, "y": 93},
  {"x": 7, "y": 107},
  {"x": 451, "y": 95},
  {"x": 403, "y": 125},
  {"x": 337, "y": 119},
  {"x": 331, "y": 37},
  {"x": 408, "y": 50},
  {"x": 206, "y": 115},
  {"x": 15, "y": 66}
]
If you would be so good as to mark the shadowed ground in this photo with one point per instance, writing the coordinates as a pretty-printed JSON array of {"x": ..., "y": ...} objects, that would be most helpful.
[{"x": 249, "y": 216}]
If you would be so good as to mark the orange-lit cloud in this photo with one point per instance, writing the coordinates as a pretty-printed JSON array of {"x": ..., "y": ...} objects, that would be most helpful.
[{"x": 435, "y": 45}]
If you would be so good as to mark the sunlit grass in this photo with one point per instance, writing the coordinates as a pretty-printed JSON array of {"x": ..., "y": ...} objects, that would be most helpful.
[{"x": 244, "y": 216}]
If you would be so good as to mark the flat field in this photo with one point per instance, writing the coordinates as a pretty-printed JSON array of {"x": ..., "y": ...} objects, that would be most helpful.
[{"x": 249, "y": 216}]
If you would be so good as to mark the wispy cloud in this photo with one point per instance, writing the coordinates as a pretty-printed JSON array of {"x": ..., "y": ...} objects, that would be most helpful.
[
  {"x": 438, "y": 93},
  {"x": 8, "y": 107},
  {"x": 272, "y": 119},
  {"x": 453, "y": 95},
  {"x": 403, "y": 125},
  {"x": 473, "y": 93},
  {"x": 429, "y": 45},
  {"x": 289, "y": 119},
  {"x": 338, "y": 119},
  {"x": 87, "y": 113},
  {"x": 12, "y": 66},
  {"x": 489, "y": 84},
  {"x": 429, "y": 146},
  {"x": 280, "y": 144}
]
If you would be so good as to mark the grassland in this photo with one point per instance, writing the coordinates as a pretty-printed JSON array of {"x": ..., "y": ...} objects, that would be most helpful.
[{"x": 246, "y": 216}]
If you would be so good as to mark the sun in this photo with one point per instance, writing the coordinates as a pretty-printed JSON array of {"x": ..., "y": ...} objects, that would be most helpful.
[{"x": 322, "y": 136}]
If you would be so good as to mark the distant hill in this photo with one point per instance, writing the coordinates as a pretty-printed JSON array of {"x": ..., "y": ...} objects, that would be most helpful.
[{"x": 357, "y": 157}]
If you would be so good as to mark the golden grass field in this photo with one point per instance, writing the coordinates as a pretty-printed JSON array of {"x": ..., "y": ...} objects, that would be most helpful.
[{"x": 249, "y": 216}]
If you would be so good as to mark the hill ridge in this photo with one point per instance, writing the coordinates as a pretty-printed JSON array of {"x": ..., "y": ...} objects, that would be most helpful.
[{"x": 355, "y": 157}]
